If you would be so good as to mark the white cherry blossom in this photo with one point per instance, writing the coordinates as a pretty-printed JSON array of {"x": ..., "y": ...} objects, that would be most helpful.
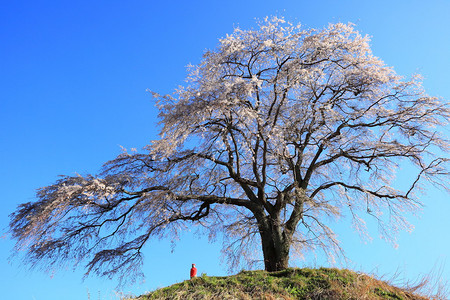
[{"x": 276, "y": 130}]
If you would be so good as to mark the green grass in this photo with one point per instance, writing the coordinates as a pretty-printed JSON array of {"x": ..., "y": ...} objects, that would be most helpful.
[{"x": 323, "y": 283}]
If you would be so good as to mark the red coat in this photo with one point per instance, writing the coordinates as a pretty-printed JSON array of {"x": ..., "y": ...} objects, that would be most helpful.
[{"x": 193, "y": 272}]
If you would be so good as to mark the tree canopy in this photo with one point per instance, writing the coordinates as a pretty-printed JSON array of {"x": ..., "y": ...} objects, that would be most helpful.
[{"x": 277, "y": 129}]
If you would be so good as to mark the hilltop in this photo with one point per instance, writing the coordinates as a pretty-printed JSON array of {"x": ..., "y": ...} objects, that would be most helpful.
[{"x": 293, "y": 283}]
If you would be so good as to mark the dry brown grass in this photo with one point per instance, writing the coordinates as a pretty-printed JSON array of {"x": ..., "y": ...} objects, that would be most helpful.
[{"x": 311, "y": 284}]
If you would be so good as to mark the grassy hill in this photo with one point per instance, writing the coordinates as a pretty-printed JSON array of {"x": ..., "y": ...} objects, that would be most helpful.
[{"x": 323, "y": 283}]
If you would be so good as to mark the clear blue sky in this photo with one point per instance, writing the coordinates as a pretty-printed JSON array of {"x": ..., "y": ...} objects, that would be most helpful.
[{"x": 73, "y": 80}]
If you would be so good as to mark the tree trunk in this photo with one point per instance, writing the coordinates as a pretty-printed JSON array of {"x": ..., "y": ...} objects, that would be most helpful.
[{"x": 275, "y": 248}]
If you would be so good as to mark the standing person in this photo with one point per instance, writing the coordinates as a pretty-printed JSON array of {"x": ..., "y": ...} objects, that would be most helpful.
[{"x": 193, "y": 271}]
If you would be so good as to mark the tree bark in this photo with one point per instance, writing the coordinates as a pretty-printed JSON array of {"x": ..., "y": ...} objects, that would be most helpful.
[{"x": 275, "y": 248}]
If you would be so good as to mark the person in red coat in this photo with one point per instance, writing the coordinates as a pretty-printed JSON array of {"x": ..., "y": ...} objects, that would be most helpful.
[{"x": 193, "y": 271}]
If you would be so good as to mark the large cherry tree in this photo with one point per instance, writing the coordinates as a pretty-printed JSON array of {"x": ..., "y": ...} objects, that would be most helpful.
[{"x": 277, "y": 129}]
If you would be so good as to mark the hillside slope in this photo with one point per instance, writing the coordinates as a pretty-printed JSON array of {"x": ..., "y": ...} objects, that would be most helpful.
[{"x": 323, "y": 283}]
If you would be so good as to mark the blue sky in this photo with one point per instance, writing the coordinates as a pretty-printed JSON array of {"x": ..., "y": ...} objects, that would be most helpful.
[{"x": 73, "y": 80}]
